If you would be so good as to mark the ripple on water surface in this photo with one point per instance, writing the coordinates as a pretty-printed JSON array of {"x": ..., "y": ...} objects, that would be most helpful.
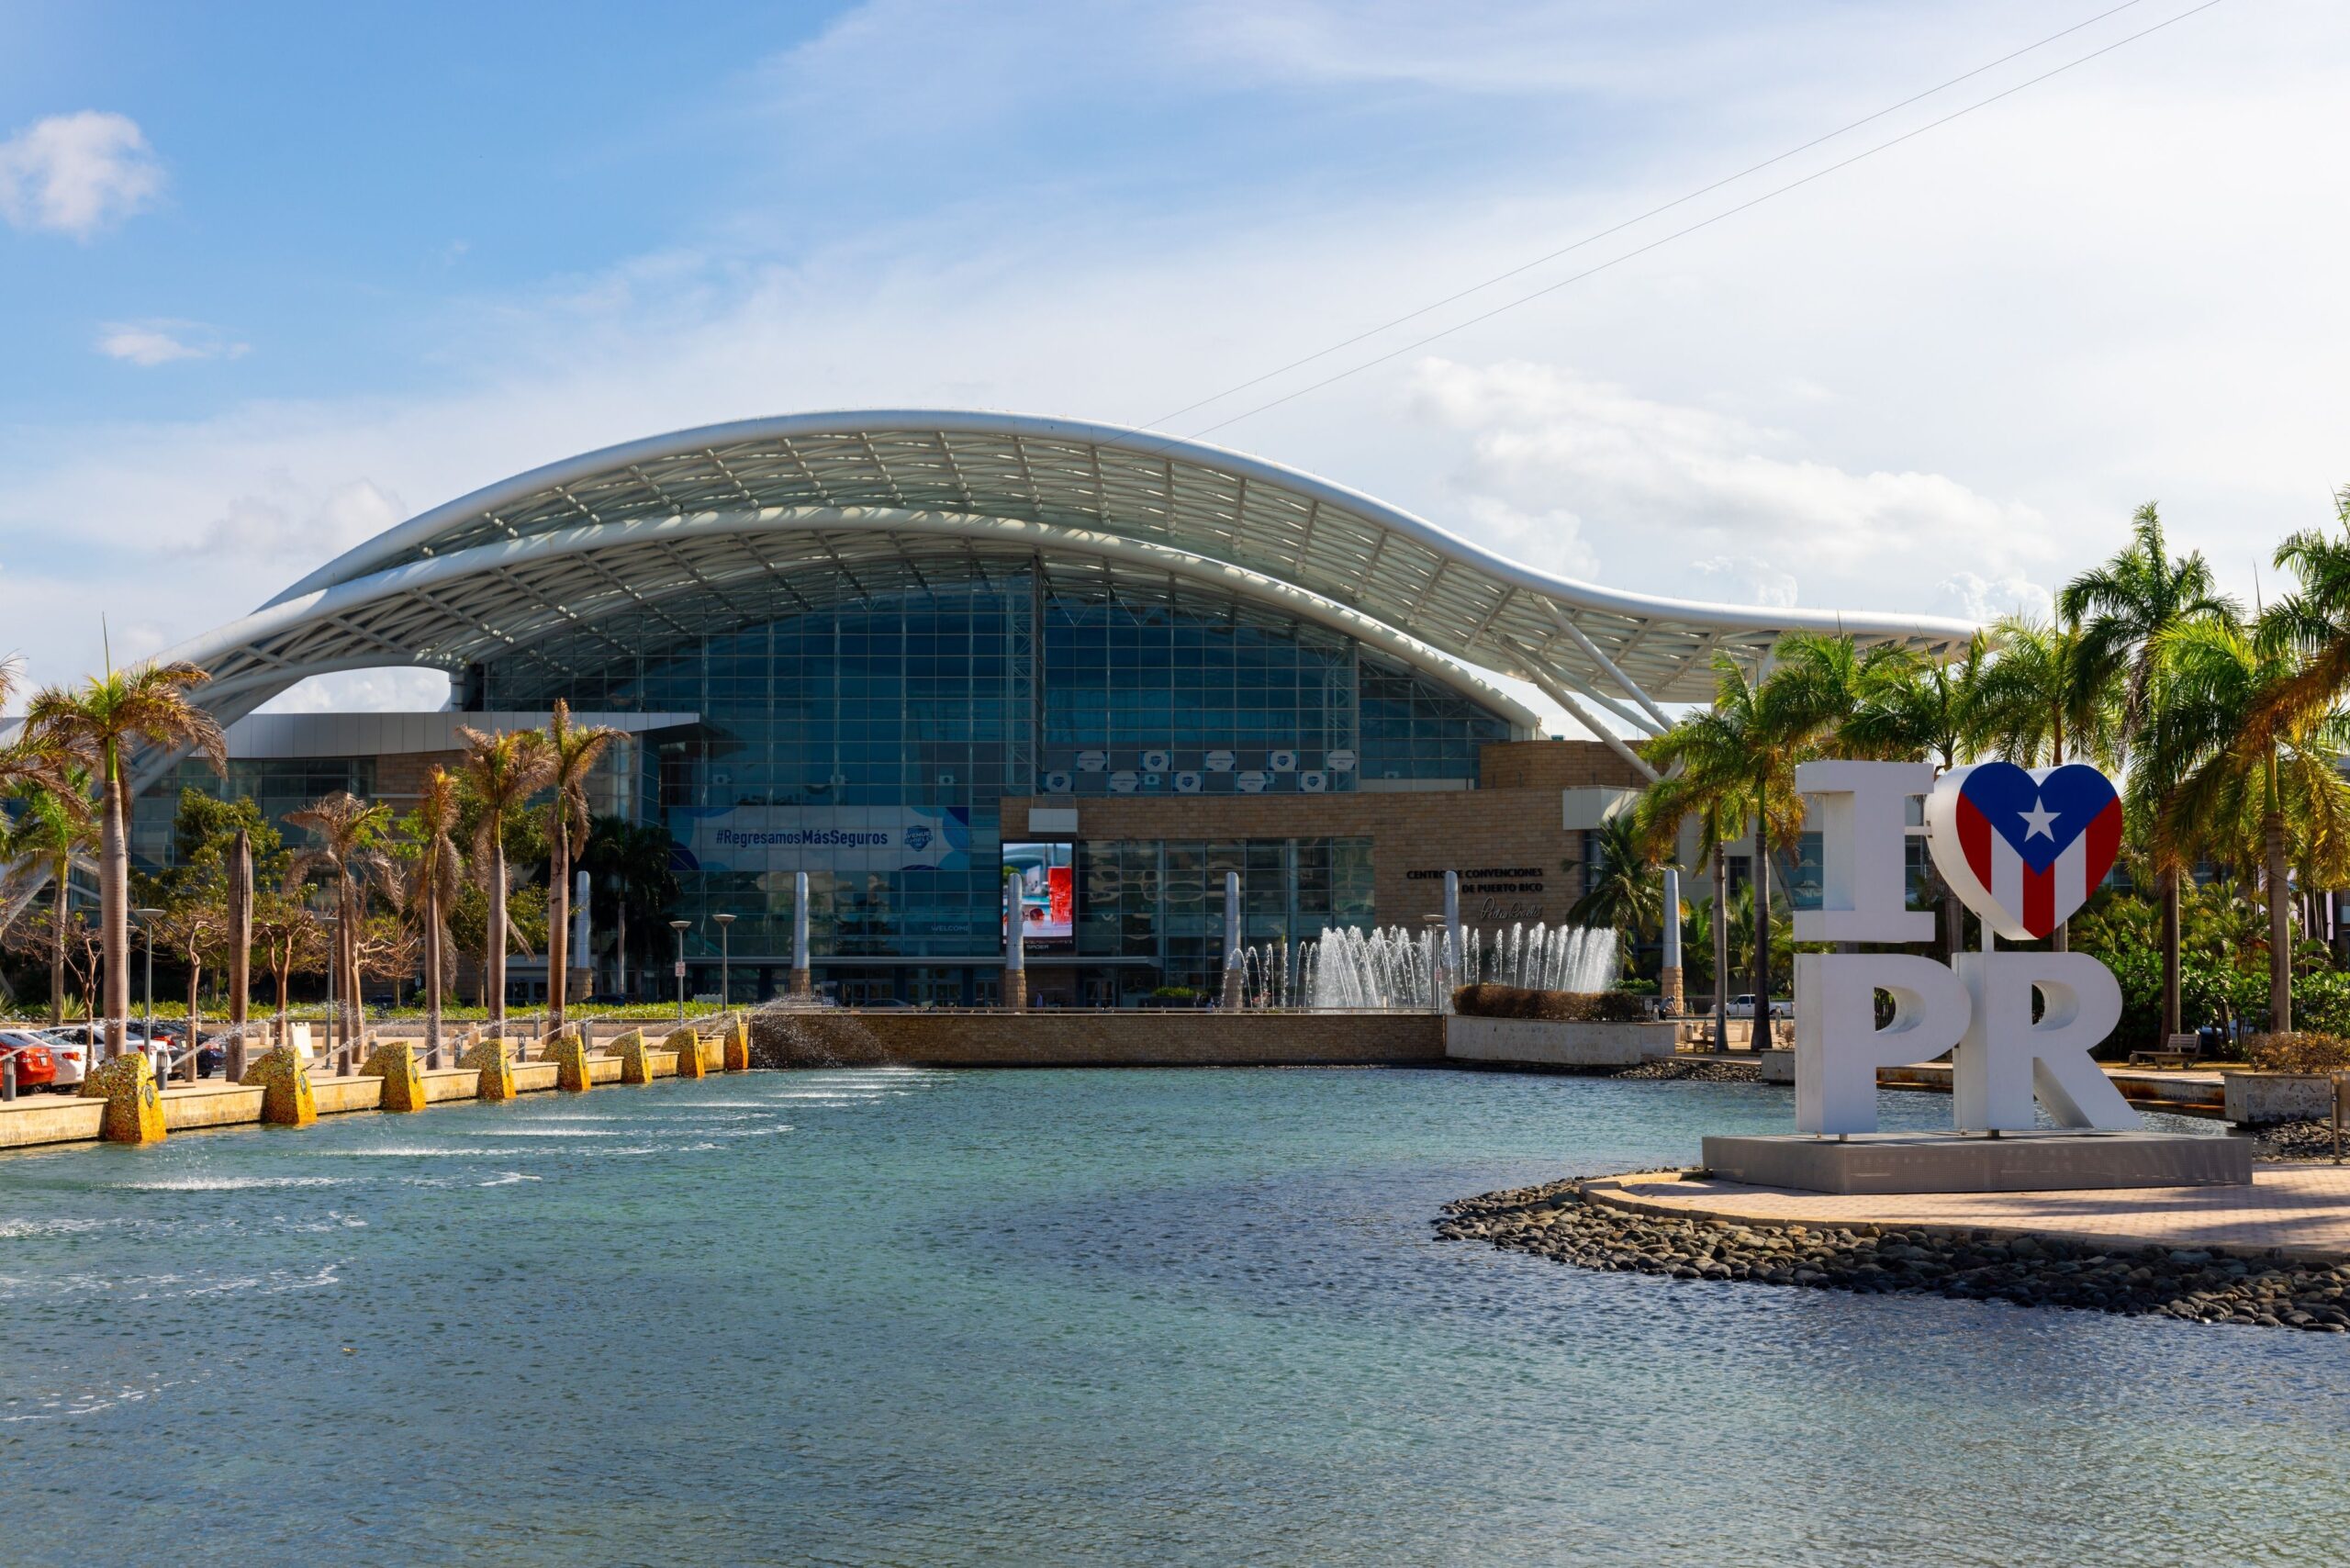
[{"x": 1042, "y": 1317}]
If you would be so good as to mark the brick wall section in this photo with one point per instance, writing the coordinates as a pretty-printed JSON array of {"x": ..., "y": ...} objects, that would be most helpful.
[
  {"x": 1553, "y": 765},
  {"x": 1513, "y": 828},
  {"x": 1133, "y": 1038}
]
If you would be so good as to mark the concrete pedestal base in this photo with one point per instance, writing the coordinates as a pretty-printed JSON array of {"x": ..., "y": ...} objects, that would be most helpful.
[{"x": 1950, "y": 1163}]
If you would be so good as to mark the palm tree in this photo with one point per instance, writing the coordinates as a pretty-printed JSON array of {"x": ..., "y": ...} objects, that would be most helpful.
[
  {"x": 1736, "y": 762},
  {"x": 504, "y": 771},
  {"x": 1924, "y": 710},
  {"x": 2048, "y": 700},
  {"x": 2045, "y": 701},
  {"x": 571, "y": 756},
  {"x": 348, "y": 852},
  {"x": 2123, "y": 608},
  {"x": 1620, "y": 889},
  {"x": 2254, "y": 766},
  {"x": 435, "y": 881},
  {"x": 53, "y": 830},
  {"x": 98, "y": 726}
]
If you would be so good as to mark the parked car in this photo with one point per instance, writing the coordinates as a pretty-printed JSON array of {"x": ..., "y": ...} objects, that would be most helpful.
[
  {"x": 36, "y": 1063},
  {"x": 71, "y": 1049},
  {"x": 1743, "y": 1006}
]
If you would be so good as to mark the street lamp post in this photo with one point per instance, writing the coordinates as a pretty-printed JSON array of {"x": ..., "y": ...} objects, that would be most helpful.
[
  {"x": 146, "y": 918},
  {"x": 679, "y": 927},
  {"x": 725, "y": 990}
]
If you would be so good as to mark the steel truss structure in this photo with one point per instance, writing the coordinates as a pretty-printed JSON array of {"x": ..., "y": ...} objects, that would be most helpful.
[{"x": 737, "y": 524}]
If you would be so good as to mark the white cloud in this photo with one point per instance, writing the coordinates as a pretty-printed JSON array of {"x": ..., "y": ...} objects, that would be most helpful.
[
  {"x": 366, "y": 691},
  {"x": 1977, "y": 598},
  {"x": 76, "y": 174},
  {"x": 154, "y": 342},
  {"x": 1676, "y": 491},
  {"x": 1743, "y": 579},
  {"x": 286, "y": 521}
]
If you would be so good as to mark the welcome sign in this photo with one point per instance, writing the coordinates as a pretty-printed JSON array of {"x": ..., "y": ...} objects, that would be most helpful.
[{"x": 822, "y": 838}]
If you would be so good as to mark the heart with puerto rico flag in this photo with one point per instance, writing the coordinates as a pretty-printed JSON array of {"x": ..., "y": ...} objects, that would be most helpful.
[{"x": 2024, "y": 848}]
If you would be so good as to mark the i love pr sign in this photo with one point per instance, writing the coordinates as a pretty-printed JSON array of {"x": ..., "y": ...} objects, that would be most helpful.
[{"x": 2022, "y": 848}]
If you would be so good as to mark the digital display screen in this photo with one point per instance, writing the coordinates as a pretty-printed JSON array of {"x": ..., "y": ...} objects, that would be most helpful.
[{"x": 1048, "y": 878}]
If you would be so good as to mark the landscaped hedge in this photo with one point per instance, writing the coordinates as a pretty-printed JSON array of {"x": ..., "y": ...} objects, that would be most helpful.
[
  {"x": 1562, "y": 1006},
  {"x": 2301, "y": 1050}
]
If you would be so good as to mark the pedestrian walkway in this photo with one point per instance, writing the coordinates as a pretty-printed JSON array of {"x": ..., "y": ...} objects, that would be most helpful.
[{"x": 2302, "y": 1209}]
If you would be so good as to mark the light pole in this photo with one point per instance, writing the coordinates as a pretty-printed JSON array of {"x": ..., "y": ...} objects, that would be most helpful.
[
  {"x": 725, "y": 991},
  {"x": 679, "y": 927},
  {"x": 146, "y": 918}
]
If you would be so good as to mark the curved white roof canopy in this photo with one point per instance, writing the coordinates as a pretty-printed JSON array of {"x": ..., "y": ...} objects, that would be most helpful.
[{"x": 733, "y": 524}]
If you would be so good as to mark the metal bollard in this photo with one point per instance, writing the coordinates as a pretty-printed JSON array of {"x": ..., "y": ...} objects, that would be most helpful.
[{"x": 8, "y": 1077}]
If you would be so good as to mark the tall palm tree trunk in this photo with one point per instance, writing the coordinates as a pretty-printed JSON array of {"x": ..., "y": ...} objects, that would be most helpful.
[
  {"x": 2280, "y": 946},
  {"x": 114, "y": 915},
  {"x": 431, "y": 976},
  {"x": 1759, "y": 1036},
  {"x": 57, "y": 913},
  {"x": 240, "y": 955},
  {"x": 1721, "y": 951},
  {"x": 2170, "y": 954},
  {"x": 493, "y": 974},
  {"x": 558, "y": 919}
]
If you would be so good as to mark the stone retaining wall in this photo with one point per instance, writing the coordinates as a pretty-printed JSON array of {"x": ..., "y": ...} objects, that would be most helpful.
[
  {"x": 1133, "y": 1038},
  {"x": 1545, "y": 1042}
]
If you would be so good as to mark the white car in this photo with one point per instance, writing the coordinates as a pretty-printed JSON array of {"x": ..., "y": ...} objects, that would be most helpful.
[
  {"x": 1743, "y": 1006},
  {"x": 69, "y": 1055}
]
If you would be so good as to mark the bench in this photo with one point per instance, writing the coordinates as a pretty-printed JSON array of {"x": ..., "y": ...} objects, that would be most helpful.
[{"x": 2179, "y": 1050}]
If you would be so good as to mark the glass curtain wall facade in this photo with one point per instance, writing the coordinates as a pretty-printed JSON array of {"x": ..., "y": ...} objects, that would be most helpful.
[{"x": 871, "y": 744}]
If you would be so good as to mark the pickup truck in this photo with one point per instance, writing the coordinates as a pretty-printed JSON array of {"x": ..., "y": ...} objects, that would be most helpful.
[{"x": 1743, "y": 1007}]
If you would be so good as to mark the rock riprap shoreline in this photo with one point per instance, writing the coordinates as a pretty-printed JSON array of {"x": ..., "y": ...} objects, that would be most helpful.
[
  {"x": 1559, "y": 1221},
  {"x": 1678, "y": 1071}
]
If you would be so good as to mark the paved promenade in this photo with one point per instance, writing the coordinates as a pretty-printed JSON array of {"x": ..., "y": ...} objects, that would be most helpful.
[{"x": 2301, "y": 1209}]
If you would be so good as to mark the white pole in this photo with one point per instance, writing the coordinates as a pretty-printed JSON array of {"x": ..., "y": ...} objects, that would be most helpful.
[
  {"x": 1015, "y": 947},
  {"x": 581, "y": 925},
  {"x": 801, "y": 982}
]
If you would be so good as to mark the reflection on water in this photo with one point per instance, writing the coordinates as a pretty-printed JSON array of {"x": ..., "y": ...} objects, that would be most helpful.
[{"x": 898, "y": 1317}]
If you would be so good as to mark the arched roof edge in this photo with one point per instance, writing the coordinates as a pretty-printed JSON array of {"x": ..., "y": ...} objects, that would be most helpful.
[{"x": 419, "y": 530}]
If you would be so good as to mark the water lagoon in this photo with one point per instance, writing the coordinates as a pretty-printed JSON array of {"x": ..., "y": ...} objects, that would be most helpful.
[{"x": 890, "y": 1317}]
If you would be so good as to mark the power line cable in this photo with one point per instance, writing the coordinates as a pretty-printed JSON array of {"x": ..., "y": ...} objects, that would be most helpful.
[
  {"x": 1594, "y": 238},
  {"x": 1676, "y": 234}
]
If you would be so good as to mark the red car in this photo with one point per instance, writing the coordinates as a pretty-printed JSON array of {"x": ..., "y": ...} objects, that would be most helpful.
[{"x": 36, "y": 1069}]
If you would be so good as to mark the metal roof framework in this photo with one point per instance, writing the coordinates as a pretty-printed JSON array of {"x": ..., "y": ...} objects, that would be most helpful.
[{"x": 728, "y": 524}]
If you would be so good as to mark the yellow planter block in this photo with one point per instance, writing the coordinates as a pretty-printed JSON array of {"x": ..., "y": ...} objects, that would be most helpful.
[
  {"x": 634, "y": 1068},
  {"x": 736, "y": 1047},
  {"x": 489, "y": 1059},
  {"x": 687, "y": 1045},
  {"x": 394, "y": 1063},
  {"x": 134, "y": 1112},
  {"x": 286, "y": 1099},
  {"x": 569, "y": 1054}
]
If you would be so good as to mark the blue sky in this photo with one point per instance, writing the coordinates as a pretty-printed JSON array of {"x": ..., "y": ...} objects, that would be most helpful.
[{"x": 273, "y": 278}]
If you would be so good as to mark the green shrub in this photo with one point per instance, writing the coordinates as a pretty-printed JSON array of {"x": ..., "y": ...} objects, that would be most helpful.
[
  {"x": 1559, "y": 1006},
  {"x": 2301, "y": 1050}
]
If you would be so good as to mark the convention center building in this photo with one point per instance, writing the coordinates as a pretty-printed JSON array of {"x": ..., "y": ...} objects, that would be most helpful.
[{"x": 909, "y": 653}]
